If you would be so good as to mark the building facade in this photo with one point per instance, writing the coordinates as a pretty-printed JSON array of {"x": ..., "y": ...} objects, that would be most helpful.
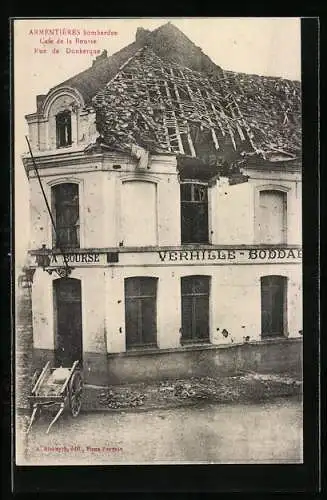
[{"x": 175, "y": 267}]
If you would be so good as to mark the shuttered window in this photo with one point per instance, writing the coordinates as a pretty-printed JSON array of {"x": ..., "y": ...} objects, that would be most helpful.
[
  {"x": 65, "y": 209},
  {"x": 273, "y": 306},
  {"x": 272, "y": 217},
  {"x": 141, "y": 311},
  {"x": 195, "y": 292},
  {"x": 194, "y": 212}
]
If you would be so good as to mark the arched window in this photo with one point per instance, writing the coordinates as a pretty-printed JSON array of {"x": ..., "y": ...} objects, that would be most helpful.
[
  {"x": 64, "y": 129},
  {"x": 65, "y": 210},
  {"x": 272, "y": 217},
  {"x": 139, "y": 213},
  {"x": 141, "y": 311},
  {"x": 195, "y": 291},
  {"x": 194, "y": 212},
  {"x": 273, "y": 306}
]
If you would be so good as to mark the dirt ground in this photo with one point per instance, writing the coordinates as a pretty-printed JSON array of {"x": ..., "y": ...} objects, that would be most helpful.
[{"x": 263, "y": 432}]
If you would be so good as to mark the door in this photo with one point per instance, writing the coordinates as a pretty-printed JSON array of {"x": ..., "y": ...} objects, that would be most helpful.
[
  {"x": 68, "y": 321},
  {"x": 273, "y": 306}
]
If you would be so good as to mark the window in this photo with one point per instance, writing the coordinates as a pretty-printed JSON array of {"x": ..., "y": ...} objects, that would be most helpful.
[
  {"x": 194, "y": 212},
  {"x": 195, "y": 308},
  {"x": 64, "y": 129},
  {"x": 140, "y": 312},
  {"x": 65, "y": 204},
  {"x": 272, "y": 218},
  {"x": 273, "y": 306},
  {"x": 139, "y": 213}
]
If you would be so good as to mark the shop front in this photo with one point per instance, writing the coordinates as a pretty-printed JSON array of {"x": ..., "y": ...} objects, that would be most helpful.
[{"x": 139, "y": 314}]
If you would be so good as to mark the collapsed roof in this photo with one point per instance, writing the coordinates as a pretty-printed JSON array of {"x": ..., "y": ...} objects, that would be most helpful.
[{"x": 163, "y": 94}]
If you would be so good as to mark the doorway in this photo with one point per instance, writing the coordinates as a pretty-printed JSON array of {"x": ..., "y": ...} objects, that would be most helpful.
[{"x": 67, "y": 321}]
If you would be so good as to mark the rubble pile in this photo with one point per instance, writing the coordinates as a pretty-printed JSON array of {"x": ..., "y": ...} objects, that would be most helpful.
[
  {"x": 232, "y": 389},
  {"x": 164, "y": 107},
  {"x": 124, "y": 398}
]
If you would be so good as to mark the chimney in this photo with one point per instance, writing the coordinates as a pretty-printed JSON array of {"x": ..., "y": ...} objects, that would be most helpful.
[
  {"x": 39, "y": 101},
  {"x": 141, "y": 35},
  {"x": 100, "y": 58}
]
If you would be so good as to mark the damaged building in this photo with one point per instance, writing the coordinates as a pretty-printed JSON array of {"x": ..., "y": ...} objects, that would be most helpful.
[{"x": 165, "y": 199}]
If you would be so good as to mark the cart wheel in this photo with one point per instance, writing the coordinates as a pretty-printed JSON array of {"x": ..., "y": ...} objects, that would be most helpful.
[{"x": 75, "y": 393}]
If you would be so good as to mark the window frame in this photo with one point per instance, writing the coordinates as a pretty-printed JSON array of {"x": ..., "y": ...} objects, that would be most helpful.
[
  {"x": 202, "y": 239},
  {"x": 193, "y": 339},
  {"x": 283, "y": 282},
  {"x": 138, "y": 299},
  {"x": 77, "y": 227},
  {"x": 58, "y": 116}
]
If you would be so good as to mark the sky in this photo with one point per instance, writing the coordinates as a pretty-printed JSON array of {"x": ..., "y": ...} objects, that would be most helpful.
[{"x": 264, "y": 46}]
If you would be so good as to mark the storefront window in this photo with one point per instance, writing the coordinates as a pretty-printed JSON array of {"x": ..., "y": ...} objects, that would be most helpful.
[
  {"x": 141, "y": 311},
  {"x": 195, "y": 308}
]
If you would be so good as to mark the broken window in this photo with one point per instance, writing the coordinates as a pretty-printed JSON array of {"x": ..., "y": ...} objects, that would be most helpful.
[
  {"x": 194, "y": 212},
  {"x": 64, "y": 129},
  {"x": 65, "y": 206},
  {"x": 140, "y": 312},
  {"x": 273, "y": 306},
  {"x": 195, "y": 308}
]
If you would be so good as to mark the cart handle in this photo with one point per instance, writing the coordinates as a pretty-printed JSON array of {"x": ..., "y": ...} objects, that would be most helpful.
[
  {"x": 41, "y": 377},
  {"x": 69, "y": 376}
]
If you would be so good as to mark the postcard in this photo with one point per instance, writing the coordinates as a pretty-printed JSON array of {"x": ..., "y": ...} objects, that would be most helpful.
[{"x": 158, "y": 241}]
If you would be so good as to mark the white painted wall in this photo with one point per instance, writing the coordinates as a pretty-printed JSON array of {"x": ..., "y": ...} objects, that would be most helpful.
[
  {"x": 139, "y": 213},
  {"x": 235, "y": 303}
]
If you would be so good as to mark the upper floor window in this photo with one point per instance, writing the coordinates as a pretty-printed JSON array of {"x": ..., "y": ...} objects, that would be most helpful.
[
  {"x": 65, "y": 205},
  {"x": 272, "y": 217},
  {"x": 64, "y": 129},
  {"x": 194, "y": 212}
]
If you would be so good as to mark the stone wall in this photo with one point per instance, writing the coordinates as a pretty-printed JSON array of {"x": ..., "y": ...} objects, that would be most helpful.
[{"x": 23, "y": 340}]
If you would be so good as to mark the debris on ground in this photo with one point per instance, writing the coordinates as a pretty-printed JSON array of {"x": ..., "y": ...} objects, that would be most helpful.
[{"x": 232, "y": 389}]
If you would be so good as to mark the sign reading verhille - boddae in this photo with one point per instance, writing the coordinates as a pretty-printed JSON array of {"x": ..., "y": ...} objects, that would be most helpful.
[{"x": 231, "y": 256}]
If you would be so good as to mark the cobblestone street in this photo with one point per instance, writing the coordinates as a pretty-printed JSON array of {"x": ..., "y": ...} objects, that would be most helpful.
[{"x": 269, "y": 432}]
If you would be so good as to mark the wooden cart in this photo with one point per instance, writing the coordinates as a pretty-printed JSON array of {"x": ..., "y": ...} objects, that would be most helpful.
[{"x": 56, "y": 387}]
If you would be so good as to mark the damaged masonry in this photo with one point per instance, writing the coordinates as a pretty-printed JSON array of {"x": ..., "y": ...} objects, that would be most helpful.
[{"x": 172, "y": 228}]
